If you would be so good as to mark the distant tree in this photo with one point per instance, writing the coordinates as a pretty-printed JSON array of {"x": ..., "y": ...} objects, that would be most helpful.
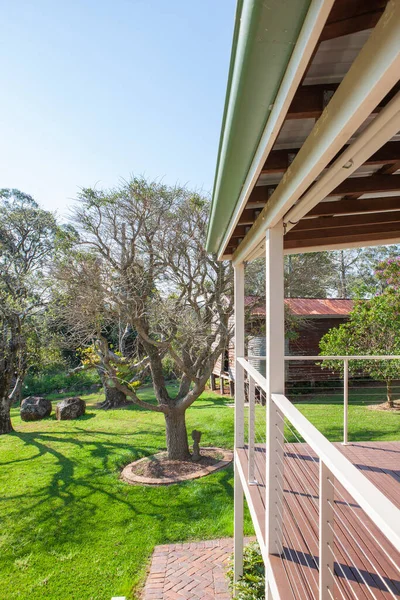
[
  {"x": 125, "y": 368},
  {"x": 354, "y": 270},
  {"x": 338, "y": 273},
  {"x": 373, "y": 328},
  {"x": 306, "y": 276},
  {"x": 27, "y": 238},
  {"x": 139, "y": 257}
]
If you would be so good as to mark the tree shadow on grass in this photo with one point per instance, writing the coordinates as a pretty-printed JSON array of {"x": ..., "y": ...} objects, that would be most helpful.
[
  {"x": 66, "y": 502},
  {"x": 86, "y": 417},
  {"x": 211, "y": 402}
]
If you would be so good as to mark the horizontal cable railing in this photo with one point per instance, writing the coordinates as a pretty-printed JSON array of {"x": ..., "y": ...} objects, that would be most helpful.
[
  {"x": 328, "y": 516},
  {"x": 362, "y": 384}
]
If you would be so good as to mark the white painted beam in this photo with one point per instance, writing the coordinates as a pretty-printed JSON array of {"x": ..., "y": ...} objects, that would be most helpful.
[
  {"x": 239, "y": 417},
  {"x": 275, "y": 345},
  {"x": 239, "y": 353},
  {"x": 326, "y": 536}
]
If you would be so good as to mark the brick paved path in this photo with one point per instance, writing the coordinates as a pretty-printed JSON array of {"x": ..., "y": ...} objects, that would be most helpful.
[{"x": 193, "y": 571}]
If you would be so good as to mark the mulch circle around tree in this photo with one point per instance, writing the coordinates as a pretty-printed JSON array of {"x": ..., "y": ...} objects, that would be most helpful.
[
  {"x": 159, "y": 470},
  {"x": 385, "y": 407}
]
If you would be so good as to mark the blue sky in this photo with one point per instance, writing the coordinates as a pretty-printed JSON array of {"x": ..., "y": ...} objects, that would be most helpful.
[{"x": 93, "y": 91}]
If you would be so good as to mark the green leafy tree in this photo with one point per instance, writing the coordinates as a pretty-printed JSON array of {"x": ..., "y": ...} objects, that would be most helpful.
[
  {"x": 306, "y": 276},
  {"x": 373, "y": 328},
  {"x": 27, "y": 241},
  {"x": 354, "y": 270}
]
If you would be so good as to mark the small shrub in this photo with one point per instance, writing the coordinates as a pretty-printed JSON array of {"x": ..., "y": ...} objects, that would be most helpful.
[
  {"x": 251, "y": 585},
  {"x": 170, "y": 370}
]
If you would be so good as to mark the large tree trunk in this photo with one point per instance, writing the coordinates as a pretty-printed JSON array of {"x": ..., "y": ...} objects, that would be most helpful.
[
  {"x": 177, "y": 439},
  {"x": 5, "y": 419},
  {"x": 389, "y": 394},
  {"x": 114, "y": 398}
]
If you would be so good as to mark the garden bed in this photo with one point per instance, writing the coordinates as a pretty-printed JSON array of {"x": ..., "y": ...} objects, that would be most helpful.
[
  {"x": 386, "y": 407},
  {"x": 159, "y": 470}
]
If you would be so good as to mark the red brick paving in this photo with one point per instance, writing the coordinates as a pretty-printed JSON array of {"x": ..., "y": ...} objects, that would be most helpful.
[{"x": 194, "y": 571}]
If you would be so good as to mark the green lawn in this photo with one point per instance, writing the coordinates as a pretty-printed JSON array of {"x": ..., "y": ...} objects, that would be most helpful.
[{"x": 71, "y": 530}]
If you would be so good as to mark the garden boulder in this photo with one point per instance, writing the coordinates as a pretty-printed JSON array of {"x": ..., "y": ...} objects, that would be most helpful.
[
  {"x": 70, "y": 408},
  {"x": 35, "y": 408}
]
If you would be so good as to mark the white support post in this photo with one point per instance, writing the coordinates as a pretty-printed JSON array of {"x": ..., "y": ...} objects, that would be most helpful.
[
  {"x": 345, "y": 401},
  {"x": 252, "y": 416},
  {"x": 239, "y": 417},
  {"x": 326, "y": 536},
  {"x": 275, "y": 324}
]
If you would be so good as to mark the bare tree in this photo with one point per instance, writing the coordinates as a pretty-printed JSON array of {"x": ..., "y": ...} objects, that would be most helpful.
[{"x": 141, "y": 259}]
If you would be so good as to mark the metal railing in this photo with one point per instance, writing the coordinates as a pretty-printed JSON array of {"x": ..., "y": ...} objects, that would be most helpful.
[
  {"x": 336, "y": 474},
  {"x": 345, "y": 359}
]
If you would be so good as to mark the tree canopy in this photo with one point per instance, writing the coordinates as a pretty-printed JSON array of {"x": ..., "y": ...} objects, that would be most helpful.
[
  {"x": 373, "y": 328},
  {"x": 138, "y": 257},
  {"x": 27, "y": 242}
]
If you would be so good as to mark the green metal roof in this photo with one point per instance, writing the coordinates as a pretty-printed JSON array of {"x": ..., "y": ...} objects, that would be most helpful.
[{"x": 265, "y": 34}]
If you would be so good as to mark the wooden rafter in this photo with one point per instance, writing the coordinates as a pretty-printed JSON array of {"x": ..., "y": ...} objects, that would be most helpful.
[
  {"x": 390, "y": 168},
  {"x": 309, "y": 228},
  {"x": 368, "y": 185},
  {"x": 310, "y": 100},
  {"x": 279, "y": 160},
  {"x": 310, "y": 225},
  {"x": 350, "y": 206},
  {"x": 384, "y": 233},
  {"x": 333, "y": 232},
  {"x": 353, "y": 187},
  {"x": 351, "y": 16}
]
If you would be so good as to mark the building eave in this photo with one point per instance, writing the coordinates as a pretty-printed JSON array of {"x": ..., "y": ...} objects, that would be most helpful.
[{"x": 265, "y": 35}]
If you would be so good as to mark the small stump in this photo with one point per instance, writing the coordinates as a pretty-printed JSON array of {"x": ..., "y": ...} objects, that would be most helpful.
[
  {"x": 70, "y": 408},
  {"x": 196, "y": 437},
  {"x": 35, "y": 408},
  {"x": 159, "y": 470}
]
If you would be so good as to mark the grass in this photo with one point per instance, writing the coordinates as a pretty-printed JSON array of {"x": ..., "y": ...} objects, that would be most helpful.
[
  {"x": 326, "y": 413},
  {"x": 69, "y": 528}
]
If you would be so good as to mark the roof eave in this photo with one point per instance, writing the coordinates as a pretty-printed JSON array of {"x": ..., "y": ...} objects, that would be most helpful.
[{"x": 264, "y": 37}]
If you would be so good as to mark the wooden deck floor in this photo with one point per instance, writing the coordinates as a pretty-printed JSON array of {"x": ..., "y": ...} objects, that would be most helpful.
[{"x": 366, "y": 564}]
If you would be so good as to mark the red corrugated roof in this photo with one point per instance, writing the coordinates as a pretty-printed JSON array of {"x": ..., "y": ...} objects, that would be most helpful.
[
  {"x": 319, "y": 306},
  {"x": 307, "y": 307}
]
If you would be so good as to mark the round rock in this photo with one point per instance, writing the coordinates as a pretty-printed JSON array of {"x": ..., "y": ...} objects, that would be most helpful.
[
  {"x": 35, "y": 408},
  {"x": 70, "y": 408}
]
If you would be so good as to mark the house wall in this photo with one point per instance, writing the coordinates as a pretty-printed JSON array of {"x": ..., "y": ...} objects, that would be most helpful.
[{"x": 306, "y": 344}]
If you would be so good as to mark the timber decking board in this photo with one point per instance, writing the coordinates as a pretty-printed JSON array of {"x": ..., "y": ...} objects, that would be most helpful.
[{"x": 357, "y": 540}]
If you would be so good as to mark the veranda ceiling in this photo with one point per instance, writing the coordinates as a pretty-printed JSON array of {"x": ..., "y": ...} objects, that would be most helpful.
[{"x": 363, "y": 208}]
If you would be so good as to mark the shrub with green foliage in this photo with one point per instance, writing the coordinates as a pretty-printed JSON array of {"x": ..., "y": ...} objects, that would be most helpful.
[
  {"x": 170, "y": 369},
  {"x": 373, "y": 328},
  {"x": 251, "y": 585},
  {"x": 49, "y": 382}
]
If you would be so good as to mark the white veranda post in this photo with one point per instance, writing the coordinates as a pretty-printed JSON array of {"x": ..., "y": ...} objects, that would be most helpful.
[
  {"x": 275, "y": 352},
  {"x": 239, "y": 417}
]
